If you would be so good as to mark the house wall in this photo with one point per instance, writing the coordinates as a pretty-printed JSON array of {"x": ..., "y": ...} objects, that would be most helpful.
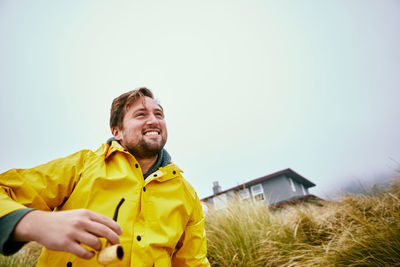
[
  {"x": 218, "y": 201},
  {"x": 210, "y": 201},
  {"x": 279, "y": 189},
  {"x": 299, "y": 188}
]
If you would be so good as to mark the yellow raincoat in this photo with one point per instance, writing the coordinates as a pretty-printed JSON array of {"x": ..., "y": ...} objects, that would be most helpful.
[{"x": 161, "y": 218}]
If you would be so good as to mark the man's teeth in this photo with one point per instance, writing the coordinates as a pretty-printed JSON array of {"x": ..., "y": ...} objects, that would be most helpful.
[{"x": 151, "y": 133}]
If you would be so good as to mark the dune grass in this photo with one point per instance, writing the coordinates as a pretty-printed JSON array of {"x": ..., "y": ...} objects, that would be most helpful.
[
  {"x": 26, "y": 257},
  {"x": 355, "y": 230}
]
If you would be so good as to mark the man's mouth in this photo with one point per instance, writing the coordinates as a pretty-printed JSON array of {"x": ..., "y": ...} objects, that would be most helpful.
[{"x": 151, "y": 132}]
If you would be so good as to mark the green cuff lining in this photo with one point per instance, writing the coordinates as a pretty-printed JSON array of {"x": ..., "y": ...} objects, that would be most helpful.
[{"x": 7, "y": 226}]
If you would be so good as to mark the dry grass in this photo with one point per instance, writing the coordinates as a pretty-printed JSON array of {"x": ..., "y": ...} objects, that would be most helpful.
[
  {"x": 26, "y": 257},
  {"x": 357, "y": 230}
]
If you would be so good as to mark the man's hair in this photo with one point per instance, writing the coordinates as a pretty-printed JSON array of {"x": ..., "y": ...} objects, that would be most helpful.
[{"x": 122, "y": 103}]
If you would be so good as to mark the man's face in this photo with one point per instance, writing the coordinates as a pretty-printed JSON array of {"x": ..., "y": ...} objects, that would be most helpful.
[{"x": 144, "y": 132}]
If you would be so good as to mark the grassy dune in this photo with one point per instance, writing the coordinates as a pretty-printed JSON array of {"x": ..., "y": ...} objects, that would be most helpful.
[
  {"x": 26, "y": 257},
  {"x": 356, "y": 230}
]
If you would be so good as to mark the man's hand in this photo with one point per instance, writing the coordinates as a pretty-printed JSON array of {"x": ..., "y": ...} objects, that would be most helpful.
[{"x": 66, "y": 230}]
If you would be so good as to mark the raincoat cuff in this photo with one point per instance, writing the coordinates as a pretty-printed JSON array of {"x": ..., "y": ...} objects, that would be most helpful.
[{"x": 7, "y": 226}]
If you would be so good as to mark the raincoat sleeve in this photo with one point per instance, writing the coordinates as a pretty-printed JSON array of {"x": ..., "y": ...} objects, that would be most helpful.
[
  {"x": 7, "y": 226},
  {"x": 44, "y": 187},
  {"x": 192, "y": 247}
]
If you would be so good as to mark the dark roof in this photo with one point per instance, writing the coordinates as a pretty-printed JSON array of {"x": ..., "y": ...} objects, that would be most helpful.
[{"x": 289, "y": 172}]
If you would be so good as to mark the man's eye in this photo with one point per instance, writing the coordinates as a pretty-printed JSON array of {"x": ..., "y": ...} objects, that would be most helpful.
[{"x": 139, "y": 114}]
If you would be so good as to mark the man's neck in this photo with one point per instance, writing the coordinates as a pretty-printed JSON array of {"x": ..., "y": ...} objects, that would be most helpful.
[{"x": 147, "y": 163}]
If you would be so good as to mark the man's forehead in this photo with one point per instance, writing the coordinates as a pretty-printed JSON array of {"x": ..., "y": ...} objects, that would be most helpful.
[{"x": 145, "y": 103}]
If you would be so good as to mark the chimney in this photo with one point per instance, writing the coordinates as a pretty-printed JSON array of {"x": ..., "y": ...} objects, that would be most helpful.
[{"x": 216, "y": 187}]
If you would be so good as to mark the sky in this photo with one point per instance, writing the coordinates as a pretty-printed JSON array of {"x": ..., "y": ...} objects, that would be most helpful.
[{"x": 249, "y": 87}]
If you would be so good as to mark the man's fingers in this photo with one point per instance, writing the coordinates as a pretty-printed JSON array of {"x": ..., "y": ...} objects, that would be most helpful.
[
  {"x": 90, "y": 240},
  {"x": 79, "y": 251},
  {"x": 97, "y": 217},
  {"x": 97, "y": 225},
  {"x": 101, "y": 230}
]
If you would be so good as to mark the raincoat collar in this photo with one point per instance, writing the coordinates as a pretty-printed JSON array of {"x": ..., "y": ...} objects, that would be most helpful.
[
  {"x": 158, "y": 172},
  {"x": 113, "y": 146},
  {"x": 163, "y": 160}
]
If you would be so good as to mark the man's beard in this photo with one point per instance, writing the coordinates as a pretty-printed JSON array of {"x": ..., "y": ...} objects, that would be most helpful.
[{"x": 146, "y": 150}]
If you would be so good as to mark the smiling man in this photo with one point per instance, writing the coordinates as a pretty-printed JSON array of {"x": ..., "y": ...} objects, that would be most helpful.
[{"x": 67, "y": 204}]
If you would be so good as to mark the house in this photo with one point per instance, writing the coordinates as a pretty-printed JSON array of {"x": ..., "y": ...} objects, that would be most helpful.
[{"x": 275, "y": 189}]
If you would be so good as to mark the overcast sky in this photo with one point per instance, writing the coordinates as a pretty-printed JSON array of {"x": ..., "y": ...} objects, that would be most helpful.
[{"x": 249, "y": 87}]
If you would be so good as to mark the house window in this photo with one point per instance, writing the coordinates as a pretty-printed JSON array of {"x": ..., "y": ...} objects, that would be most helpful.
[
  {"x": 220, "y": 201},
  {"x": 304, "y": 190},
  {"x": 292, "y": 185},
  {"x": 244, "y": 194},
  {"x": 258, "y": 192}
]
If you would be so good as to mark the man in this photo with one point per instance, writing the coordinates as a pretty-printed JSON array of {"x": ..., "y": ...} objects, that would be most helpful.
[{"x": 67, "y": 204}]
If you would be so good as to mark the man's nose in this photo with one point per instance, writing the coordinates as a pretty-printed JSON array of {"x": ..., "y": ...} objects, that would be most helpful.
[{"x": 152, "y": 120}]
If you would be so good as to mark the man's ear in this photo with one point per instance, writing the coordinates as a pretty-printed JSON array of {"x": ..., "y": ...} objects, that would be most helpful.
[{"x": 116, "y": 132}]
